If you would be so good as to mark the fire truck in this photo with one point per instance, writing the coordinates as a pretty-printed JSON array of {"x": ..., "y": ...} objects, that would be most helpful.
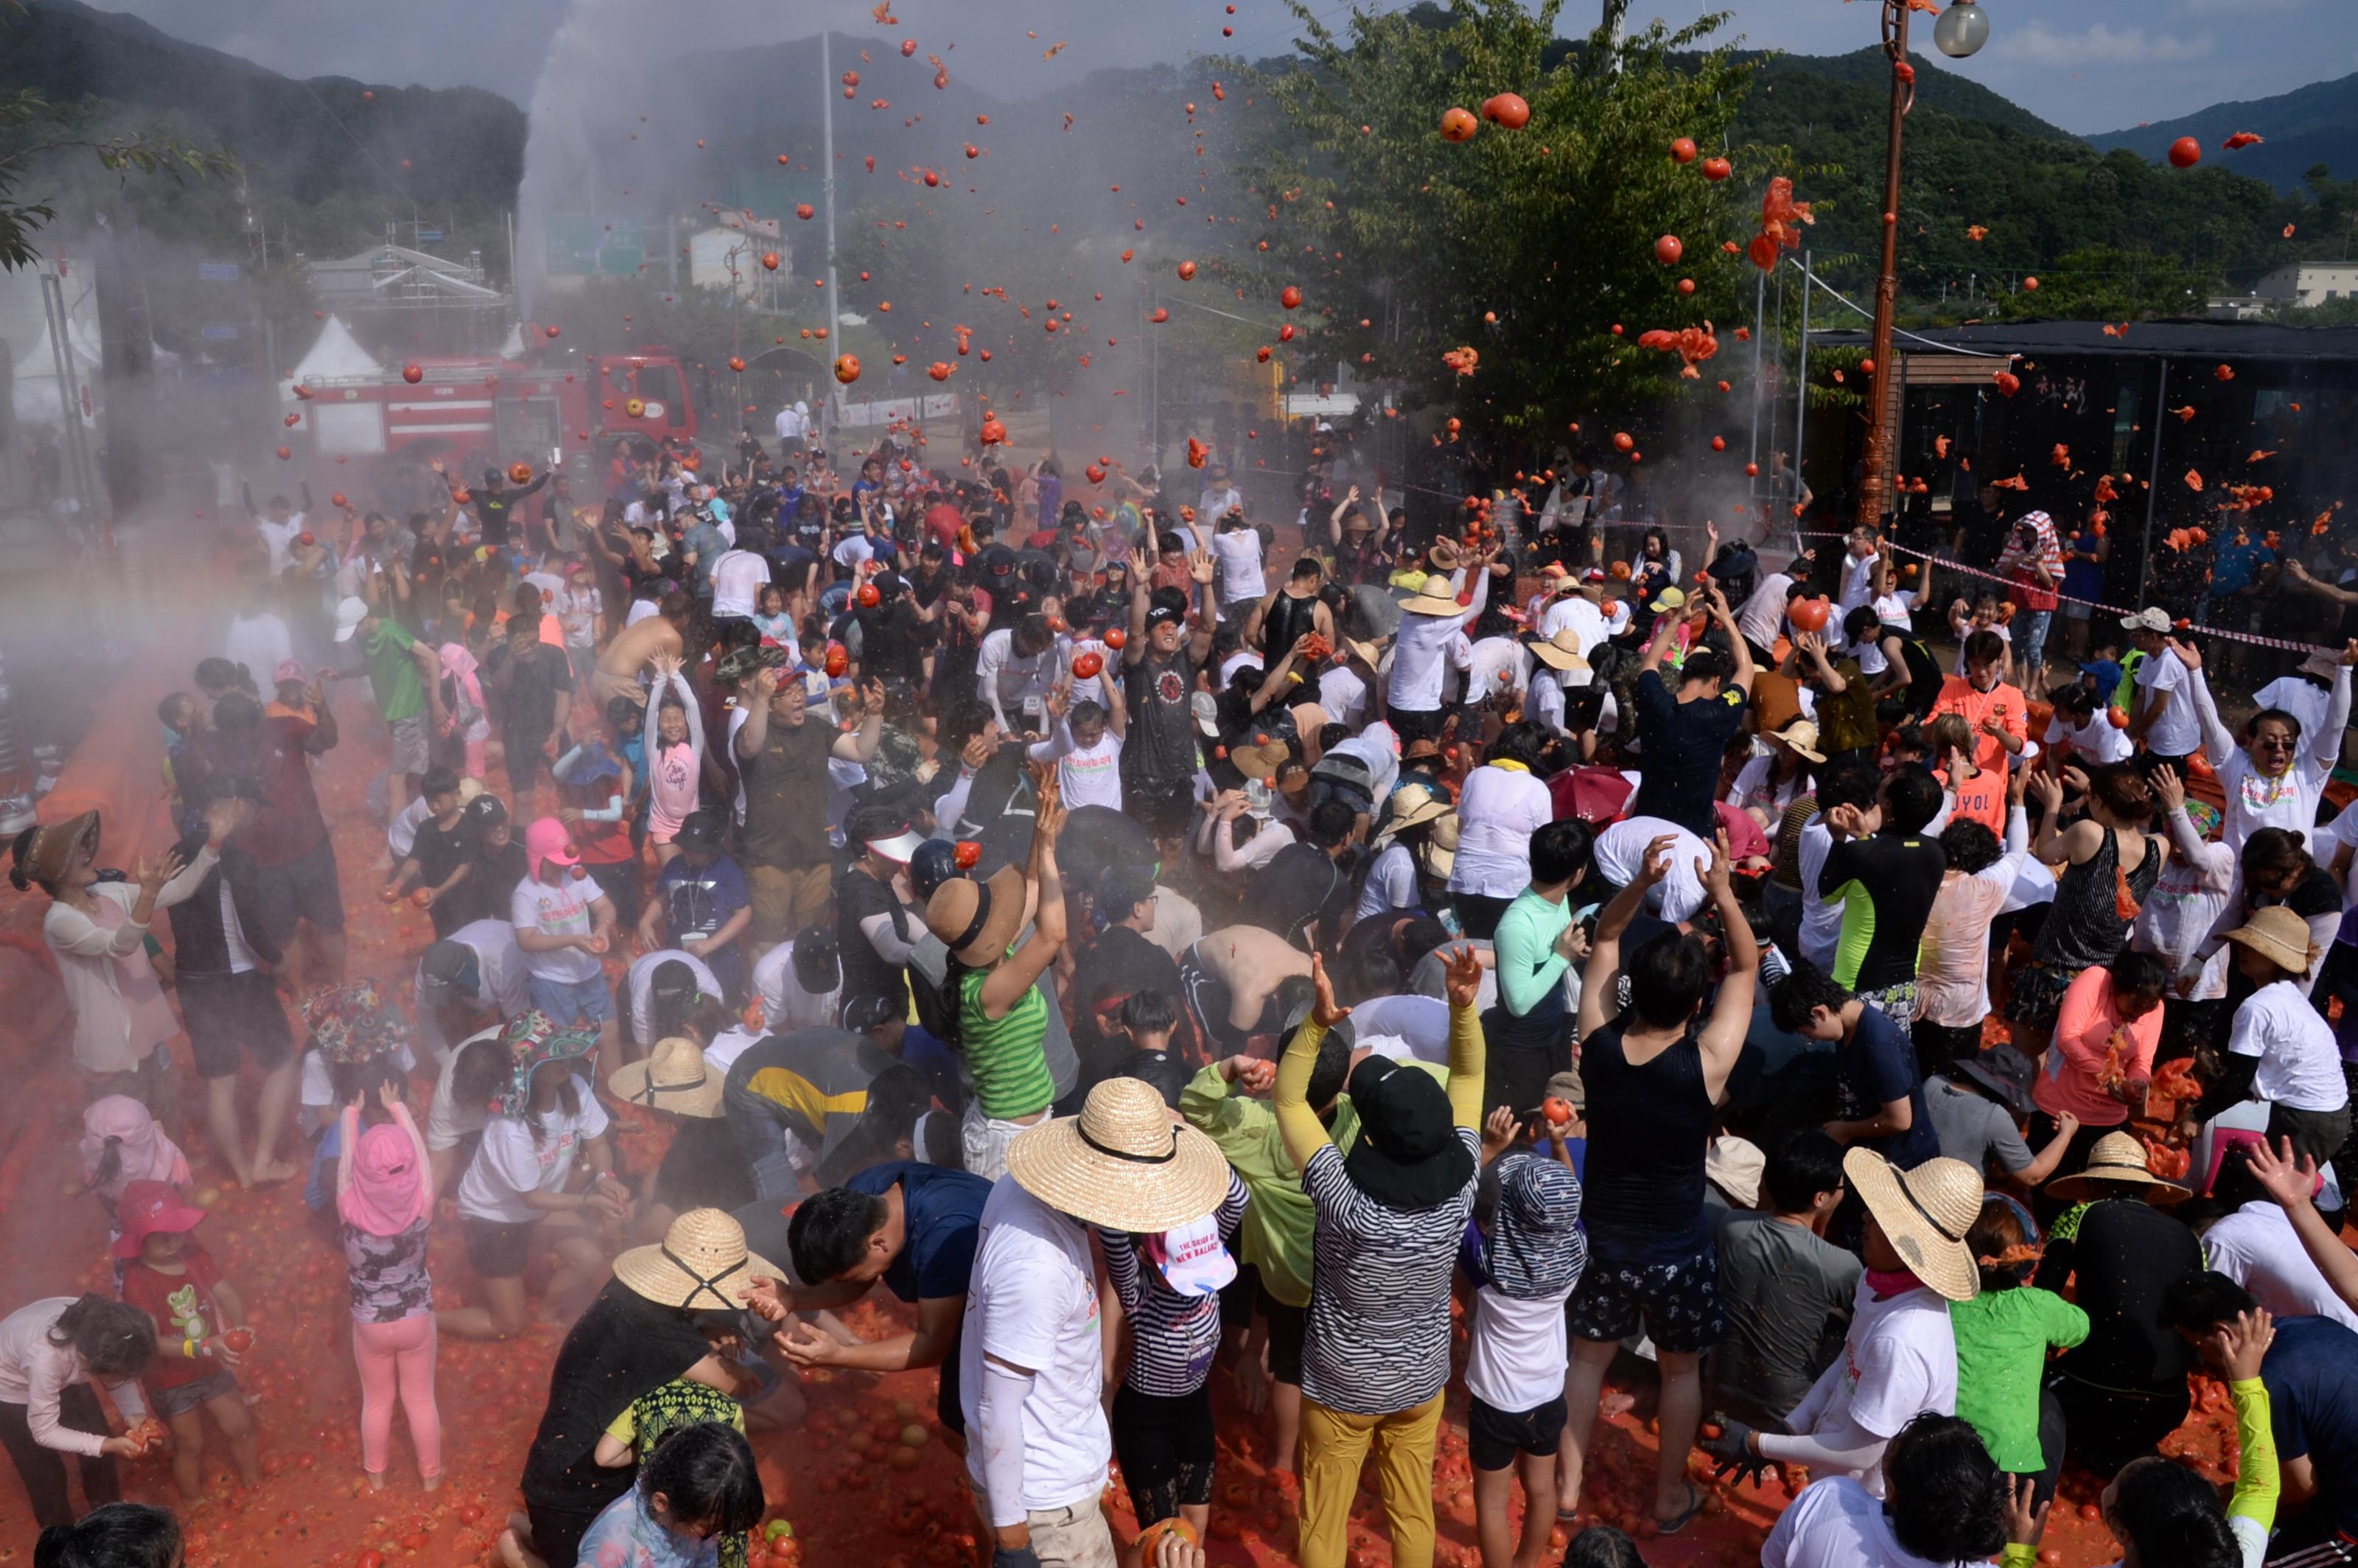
[{"x": 484, "y": 411}]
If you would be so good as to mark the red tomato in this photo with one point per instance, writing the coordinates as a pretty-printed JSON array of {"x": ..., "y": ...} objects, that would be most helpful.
[
  {"x": 1088, "y": 667},
  {"x": 1457, "y": 126},
  {"x": 1669, "y": 249},
  {"x": 2185, "y": 153},
  {"x": 412, "y": 373},
  {"x": 870, "y": 595},
  {"x": 1115, "y": 638},
  {"x": 1683, "y": 150},
  {"x": 336, "y": 499},
  {"x": 967, "y": 855},
  {"x": 1508, "y": 109}
]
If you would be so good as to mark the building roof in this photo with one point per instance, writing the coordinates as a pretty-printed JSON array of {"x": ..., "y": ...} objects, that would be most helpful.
[
  {"x": 375, "y": 257},
  {"x": 336, "y": 356},
  {"x": 2179, "y": 338}
]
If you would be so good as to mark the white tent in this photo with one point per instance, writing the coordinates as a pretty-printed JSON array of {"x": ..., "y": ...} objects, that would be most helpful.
[{"x": 336, "y": 356}]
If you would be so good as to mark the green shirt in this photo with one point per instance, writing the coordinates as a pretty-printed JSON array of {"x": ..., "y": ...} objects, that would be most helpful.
[
  {"x": 1279, "y": 1222},
  {"x": 1847, "y": 719},
  {"x": 393, "y": 671},
  {"x": 1528, "y": 966},
  {"x": 2002, "y": 1337},
  {"x": 1006, "y": 1055}
]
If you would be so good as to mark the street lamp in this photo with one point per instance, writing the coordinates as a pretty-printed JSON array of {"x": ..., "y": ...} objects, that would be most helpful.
[{"x": 1962, "y": 29}]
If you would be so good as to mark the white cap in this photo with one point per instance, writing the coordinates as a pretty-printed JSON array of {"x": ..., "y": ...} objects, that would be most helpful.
[
  {"x": 350, "y": 613},
  {"x": 2146, "y": 619},
  {"x": 1194, "y": 1262}
]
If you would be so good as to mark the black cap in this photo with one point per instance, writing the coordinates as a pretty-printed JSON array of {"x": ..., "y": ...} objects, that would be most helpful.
[{"x": 701, "y": 831}]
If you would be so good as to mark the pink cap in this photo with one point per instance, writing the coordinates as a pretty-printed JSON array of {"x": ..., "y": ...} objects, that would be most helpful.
[
  {"x": 289, "y": 669},
  {"x": 547, "y": 840}
]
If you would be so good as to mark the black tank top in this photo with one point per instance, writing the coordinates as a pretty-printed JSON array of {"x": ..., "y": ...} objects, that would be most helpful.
[
  {"x": 1288, "y": 619},
  {"x": 1648, "y": 1126}
]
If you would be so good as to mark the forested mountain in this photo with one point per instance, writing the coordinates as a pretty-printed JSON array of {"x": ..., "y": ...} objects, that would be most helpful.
[{"x": 2309, "y": 126}]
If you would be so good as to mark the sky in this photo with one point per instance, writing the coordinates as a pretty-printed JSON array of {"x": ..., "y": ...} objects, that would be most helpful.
[{"x": 2086, "y": 65}]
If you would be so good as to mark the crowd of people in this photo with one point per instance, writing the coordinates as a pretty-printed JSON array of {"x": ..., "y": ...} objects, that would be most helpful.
[{"x": 1147, "y": 948}]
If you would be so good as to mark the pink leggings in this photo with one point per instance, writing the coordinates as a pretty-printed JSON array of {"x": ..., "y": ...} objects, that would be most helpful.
[{"x": 398, "y": 1354}]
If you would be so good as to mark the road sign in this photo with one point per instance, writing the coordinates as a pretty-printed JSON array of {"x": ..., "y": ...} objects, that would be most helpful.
[
  {"x": 217, "y": 272},
  {"x": 219, "y": 332},
  {"x": 429, "y": 236}
]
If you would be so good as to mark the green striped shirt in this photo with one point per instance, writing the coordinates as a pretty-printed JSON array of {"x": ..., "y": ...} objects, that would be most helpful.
[{"x": 1005, "y": 1054}]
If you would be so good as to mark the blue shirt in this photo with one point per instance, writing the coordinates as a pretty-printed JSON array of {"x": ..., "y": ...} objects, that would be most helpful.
[
  {"x": 625, "y": 1536},
  {"x": 1875, "y": 1067},
  {"x": 2312, "y": 1373},
  {"x": 700, "y": 900},
  {"x": 2234, "y": 567},
  {"x": 942, "y": 1216},
  {"x": 2083, "y": 580}
]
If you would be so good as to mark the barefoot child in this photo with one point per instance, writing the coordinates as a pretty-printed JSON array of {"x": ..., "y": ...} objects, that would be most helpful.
[
  {"x": 200, "y": 1325},
  {"x": 384, "y": 1199},
  {"x": 674, "y": 750}
]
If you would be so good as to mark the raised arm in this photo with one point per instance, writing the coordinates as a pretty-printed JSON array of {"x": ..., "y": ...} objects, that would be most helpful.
[
  {"x": 1289, "y": 1098},
  {"x": 1599, "y": 983},
  {"x": 1722, "y": 1040},
  {"x": 2325, "y": 748},
  {"x": 1741, "y": 650},
  {"x": 1468, "y": 1056},
  {"x": 2292, "y": 1179},
  {"x": 1007, "y": 983},
  {"x": 860, "y": 745},
  {"x": 2217, "y": 743}
]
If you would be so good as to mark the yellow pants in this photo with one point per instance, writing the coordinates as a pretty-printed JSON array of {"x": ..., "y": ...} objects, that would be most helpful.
[{"x": 1334, "y": 1446}]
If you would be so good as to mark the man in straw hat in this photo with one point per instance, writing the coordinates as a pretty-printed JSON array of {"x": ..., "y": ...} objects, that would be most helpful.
[
  {"x": 2122, "y": 1389},
  {"x": 1390, "y": 1216},
  {"x": 1687, "y": 731},
  {"x": 1899, "y": 1360},
  {"x": 1431, "y": 631},
  {"x": 2279, "y": 1048},
  {"x": 1566, "y": 669},
  {"x": 1030, "y": 1353}
]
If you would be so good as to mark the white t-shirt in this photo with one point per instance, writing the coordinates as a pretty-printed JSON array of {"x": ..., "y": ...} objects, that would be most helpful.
[
  {"x": 738, "y": 578},
  {"x": 1574, "y": 611},
  {"x": 1392, "y": 883},
  {"x": 577, "y": 610},
  {"x": 1242, "y": 659},
  {"x": 559, "y": 911},
  {"x": 722, "y": 1053},
  {"x": 1032, "y": 1301},
  {"x": 1091, "y": 775},
  {"x": 1836, "y": 1523},
  {"x": 279, "y": 539},
  {"x": 447, "y": 1122},
  {"x": 1406, "y": 1025},
  {"x": 1899, "y": 1360},
  {"x": 1419, "y": 647},
  {"x": 785, "y": 1004},
  {"x": 510, "y": 1162},
  {"x": 1896, "y": 609},
  {"x": 2175, "y": 733},
  {"x": 1498, "y": 811},
  {"x": 2258, "y": 1247},
  {"x": 2095, "y": 741},
  {"x": 852, "y": 549},
  {"x": 1498, "y": 666},
  {"x": 1622, "y": 855},
  {"x": 259, "y": 643},
  {"x": 401, "y": 833},
  {"x": 792, "y": 424},
  {"x": 639, "y": 982},
  {"x": 2301, "y": 1068},
  {"x": 2304, "y": 700},
  {"x": 1515, "y": 1358},
  {"x": 1343, "y": 693},
  {"x": 1238, "y": 554},
  {"x": 1763, "y": 615},
  {"x": 1821, "y": 921}
]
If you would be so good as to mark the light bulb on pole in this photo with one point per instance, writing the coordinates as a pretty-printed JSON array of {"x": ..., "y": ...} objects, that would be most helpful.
[{"x": 1962, "y": 30}]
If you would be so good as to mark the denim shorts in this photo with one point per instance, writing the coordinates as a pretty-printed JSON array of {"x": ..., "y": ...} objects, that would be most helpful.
[{"x": 569, "y": 1001}]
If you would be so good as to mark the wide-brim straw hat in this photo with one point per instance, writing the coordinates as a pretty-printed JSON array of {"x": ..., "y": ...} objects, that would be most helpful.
[
  {"x": 1436, "y": 598},
  {"x": 1412, "y": 805},
  {"x": 1366, "y": 653},
  {"x": 1925, "y": 1213},
  {"x": 978, "y": 920},
  {"x": 1561, "y": 652},
  {"x": 1261, "y": 761},
  {"x": 2117, "y": 1157},
  {"x": 51, "y": 850},
  {"x": 1442, "y": 556},
  {"x": 1439, "y": 854},
  {"x": 702, "y": 1262},
  {"x": 2278, "y": 935},
  {"x": 1801, "y": 736},
  {"x": 1123, "y": 1163},
  {"x": 675, "y": 1078}
]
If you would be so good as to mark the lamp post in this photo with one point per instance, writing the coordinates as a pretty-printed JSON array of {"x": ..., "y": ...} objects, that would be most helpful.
[{"x": 1962, "y": 30}]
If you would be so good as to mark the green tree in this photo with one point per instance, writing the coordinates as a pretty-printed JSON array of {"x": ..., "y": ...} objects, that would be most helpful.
[
  {"x": 158, "y": 150},
  {"x": 2100, "y": 283},
  {"x": 1527, "y": 245}
]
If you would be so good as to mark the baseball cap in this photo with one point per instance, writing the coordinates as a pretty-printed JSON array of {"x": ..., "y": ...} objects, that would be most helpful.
[
  {"x": 289, "y": 669},
  {"x": 155, "y": 1209},
  {"x": 350, "y": 612},
  {"x": 701, "y": 830},
  {"x": 1193, "y": 1261},
  {"x": 1206, "y": 709},
  {"x": 2149, "y": 619},
  {"x": 886, "y": 833},
  {"x": 451, "y": 964}
]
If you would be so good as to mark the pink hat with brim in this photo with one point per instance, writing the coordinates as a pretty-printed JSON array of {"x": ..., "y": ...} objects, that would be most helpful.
[
  {"x": 547, "y": 840},
  {"x": 152, "y": 1208},
  {"x": 386, "y": 1195}
]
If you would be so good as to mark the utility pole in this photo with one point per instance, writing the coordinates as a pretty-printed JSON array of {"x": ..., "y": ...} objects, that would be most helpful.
[
  {"x": 826, "y": 161},
  {"x": 1611, "y": 25}
]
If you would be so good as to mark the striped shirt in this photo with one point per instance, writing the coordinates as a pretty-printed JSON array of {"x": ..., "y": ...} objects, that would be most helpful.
[
  {"x": 1172, "y": 1337},
  {"x": 1378, "y": 1340},
  {"x": 1007, "y": 1054}
]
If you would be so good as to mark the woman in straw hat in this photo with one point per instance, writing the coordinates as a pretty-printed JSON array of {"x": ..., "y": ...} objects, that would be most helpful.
[
  {"x": 1030, "y": 1359},
  {"x": 1774, "y": 779},
  {"x": 1563, "y": 668},
  {"x": 2278, "y": 1049},
  {"x": 671, "y": 1312},
  {"x": 1390, "y": 1216},
  {"x": 1432, "y": 629},
  {"x": 1899, "y": 1360},
  {"x": 519, "y": 1191},
  {"x": 2124, "y": 1389},
  {"x": 704, "y": 1167},
  {"x": 998, "y": 1016}
]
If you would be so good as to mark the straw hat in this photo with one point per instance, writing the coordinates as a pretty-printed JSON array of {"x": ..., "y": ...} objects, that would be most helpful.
[
  {"x": 673, "y": 1078},
  {"x": 1122, "y": 1164},
  {"x": 51, "y": 850},
  {"x": 1261, "y": 761},
  {"x": 2278, "y": 935},
  {"x": 1436, "y": 598},
  {"x": 1442, "y": 556},
  {"x": 1366, "y": 652},
  {"x": 2117, "y": 1157},
  {"x": 978, "y": 920},
  {"x": 1561, "y": 652},
  {"x": 1439, "y": 856},
  {"x": 1925, "y": 1213},
  {"x": 701, "y": 1262},
  {"x": 1801, "y": 736},
  {"x": 1412, "y": 805}
]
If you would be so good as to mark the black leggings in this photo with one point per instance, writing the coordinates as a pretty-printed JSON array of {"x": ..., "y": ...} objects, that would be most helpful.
[
  {"x": 1165, "y": 1448},
  {"x": 43, "y": 1470}
]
